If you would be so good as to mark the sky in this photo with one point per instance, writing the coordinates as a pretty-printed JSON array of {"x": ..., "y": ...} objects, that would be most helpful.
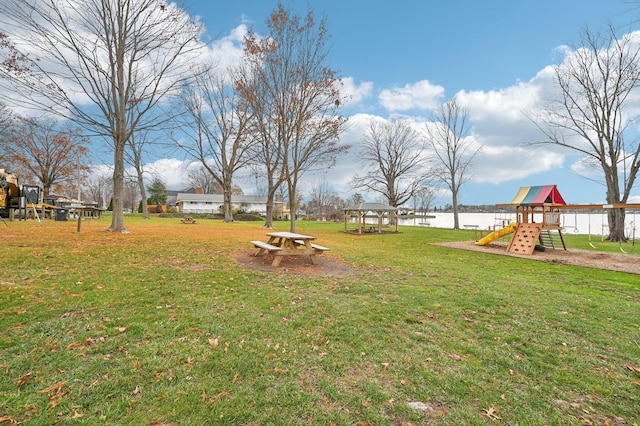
[{"x": 401, "y": 59}]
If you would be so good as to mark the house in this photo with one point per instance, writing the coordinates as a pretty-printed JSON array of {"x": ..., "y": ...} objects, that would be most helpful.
[{"x": 213, "y": 203}]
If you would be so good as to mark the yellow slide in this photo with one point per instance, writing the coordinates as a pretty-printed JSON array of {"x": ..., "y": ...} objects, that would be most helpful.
[{"x": 497, "y": 234}]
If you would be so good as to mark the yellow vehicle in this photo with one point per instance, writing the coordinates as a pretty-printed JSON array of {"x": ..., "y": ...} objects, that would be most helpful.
[{"x": 9, "y": 192}]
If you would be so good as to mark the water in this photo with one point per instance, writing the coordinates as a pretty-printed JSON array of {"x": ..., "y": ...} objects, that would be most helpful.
[{"x": 573, "y": 223}]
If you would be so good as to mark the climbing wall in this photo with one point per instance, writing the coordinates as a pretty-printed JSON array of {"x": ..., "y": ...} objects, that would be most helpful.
[{"x": 525, "y": 238}]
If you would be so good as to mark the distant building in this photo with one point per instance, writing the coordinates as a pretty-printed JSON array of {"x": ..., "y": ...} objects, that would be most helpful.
[{"x": 188, "y": 203}]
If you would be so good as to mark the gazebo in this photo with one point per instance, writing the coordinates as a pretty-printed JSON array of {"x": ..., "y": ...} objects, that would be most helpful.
[{"x": 361, "y": 210}]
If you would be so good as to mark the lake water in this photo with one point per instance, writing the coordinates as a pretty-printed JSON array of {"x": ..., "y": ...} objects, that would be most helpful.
[{"x": 580, "y": 223}]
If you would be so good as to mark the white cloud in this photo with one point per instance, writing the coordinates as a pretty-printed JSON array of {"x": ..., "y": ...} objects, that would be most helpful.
[
  {"x": 421, "y": 96},
  {"x": 173, "y": 172},
  {"x": 355, "y": 93},
  {"x": 508, "y": 104},
  {"x": 227, "y": 51},
  {"x": 499, "y": 164}
]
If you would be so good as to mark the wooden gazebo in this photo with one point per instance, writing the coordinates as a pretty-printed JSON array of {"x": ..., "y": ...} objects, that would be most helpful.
[{"x": 361, "y": 210}]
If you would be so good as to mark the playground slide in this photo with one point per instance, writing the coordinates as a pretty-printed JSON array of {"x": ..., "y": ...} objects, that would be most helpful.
[{"x": 497, "y": 234}]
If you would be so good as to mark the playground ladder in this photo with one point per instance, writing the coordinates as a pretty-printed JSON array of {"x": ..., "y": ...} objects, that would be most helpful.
[{"x": 548, "y": 239}]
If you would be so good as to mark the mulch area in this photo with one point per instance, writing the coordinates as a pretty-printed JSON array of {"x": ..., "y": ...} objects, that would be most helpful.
[{"x": 591, "y": 259}]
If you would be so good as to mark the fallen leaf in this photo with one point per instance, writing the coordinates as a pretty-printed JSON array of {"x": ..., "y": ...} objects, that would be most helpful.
[
  {"x": 122, "y": 329},
  {"x": 632, "y": 368},
  {"x": 136, "y": 391},
  {"x": 23, "y": 379},
  {"x": 54, "y": 387},
  {"x": 491, "y": 413},
  {"x": 217, "y": 397},
  {"x": 214, "y": 343},
  {"x": 455, "y": 357},
  {"x": 235, "y": 378}
]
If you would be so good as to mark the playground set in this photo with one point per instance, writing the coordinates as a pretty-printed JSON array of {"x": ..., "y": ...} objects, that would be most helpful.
[
  {"x": 538, "y": 213},
  {"x": 537, "y": 220}
]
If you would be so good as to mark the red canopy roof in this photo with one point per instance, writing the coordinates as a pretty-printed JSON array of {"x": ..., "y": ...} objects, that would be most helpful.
[{"x": 537, "y": 196}]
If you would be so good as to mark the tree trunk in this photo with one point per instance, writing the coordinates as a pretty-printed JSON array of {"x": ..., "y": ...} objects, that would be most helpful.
[
  {"x": 456, "y": 219},
  {"x": 268, "y": 224},
  {"x": 117, "y": 219},
  {"x": 292, "y": 207},
  {"x": 143, "y": 193},
  {"x": 616, "y": 218},
  {"x": 228, "y": 208}
]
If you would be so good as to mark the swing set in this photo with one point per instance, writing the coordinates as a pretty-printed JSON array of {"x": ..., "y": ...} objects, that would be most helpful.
[{"x": 629, "y": 230}]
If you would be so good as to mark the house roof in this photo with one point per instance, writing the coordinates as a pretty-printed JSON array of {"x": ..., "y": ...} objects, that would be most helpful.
[
  {"x": 370, "y": 207},
  {"x": 219, "y": 198},
  {"x": 537, "y": 196}
]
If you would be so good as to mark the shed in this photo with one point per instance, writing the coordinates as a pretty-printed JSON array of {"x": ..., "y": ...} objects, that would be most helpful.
[{"x": 361, "y": 210}]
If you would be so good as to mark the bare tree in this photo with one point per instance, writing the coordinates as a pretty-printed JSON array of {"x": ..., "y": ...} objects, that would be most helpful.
[
  {"x": 106, "y": 65},
  {"x": 595, "y": 113},
  {"x": 453, "y": 149},
  {"x": 133, "y": 156},
  {"x": 53, "y": 154},
  {"x": 200, "y": 178},
  {"x": 321, "y": 199},
  {"x": 131, "y": 194},
  {"x": 98, "y": 189},
  {"x": 295, "y": 99},
  {"x": 424, "y": 198},
  {"x": 394, "y": 161},
  {"x": 217, "y": 126}
]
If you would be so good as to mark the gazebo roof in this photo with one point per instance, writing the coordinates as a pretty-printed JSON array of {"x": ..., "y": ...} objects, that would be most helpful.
[
  {"x": 370, "y": 207},
  {"x": 537, "y": 196}
]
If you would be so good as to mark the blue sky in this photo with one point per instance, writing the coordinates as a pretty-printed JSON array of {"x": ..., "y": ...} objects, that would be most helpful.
[{"x": 401, "y": 59}]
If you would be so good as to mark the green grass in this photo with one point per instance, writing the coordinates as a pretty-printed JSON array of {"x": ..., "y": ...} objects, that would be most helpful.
[{"x": 162, "y": 326}]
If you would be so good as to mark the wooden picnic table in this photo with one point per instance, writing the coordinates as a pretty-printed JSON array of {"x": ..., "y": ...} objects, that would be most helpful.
[
  {"x": 188, "y": 219},
  {"x": 289, "y": 244}
]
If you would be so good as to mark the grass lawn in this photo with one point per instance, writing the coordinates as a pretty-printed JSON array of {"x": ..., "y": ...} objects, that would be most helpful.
[{"x": 163, "y": 326}]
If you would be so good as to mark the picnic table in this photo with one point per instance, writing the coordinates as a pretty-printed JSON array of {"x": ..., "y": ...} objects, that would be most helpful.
[
  {"x": 282, "y": 244},
  {"x": 188, "y": 219}
]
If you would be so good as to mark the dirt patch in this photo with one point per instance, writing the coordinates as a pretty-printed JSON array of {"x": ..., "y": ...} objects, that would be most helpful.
[
  {"x": 296, "y": 265},
  {"x": 599, "y": 260}
]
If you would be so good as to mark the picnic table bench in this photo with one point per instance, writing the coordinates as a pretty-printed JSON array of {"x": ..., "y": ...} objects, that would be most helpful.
[
  {"x": 188, "y": 219},
  {"x": 265, "y": 247},
  {"x": 313, "y": 246}
]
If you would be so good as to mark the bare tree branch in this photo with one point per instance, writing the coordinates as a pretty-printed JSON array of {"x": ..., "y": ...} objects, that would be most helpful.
[
  {"x": 394, "y": 161},
  {"x": 595, "y": 112},
  {"x": 453, "y": 149}
]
